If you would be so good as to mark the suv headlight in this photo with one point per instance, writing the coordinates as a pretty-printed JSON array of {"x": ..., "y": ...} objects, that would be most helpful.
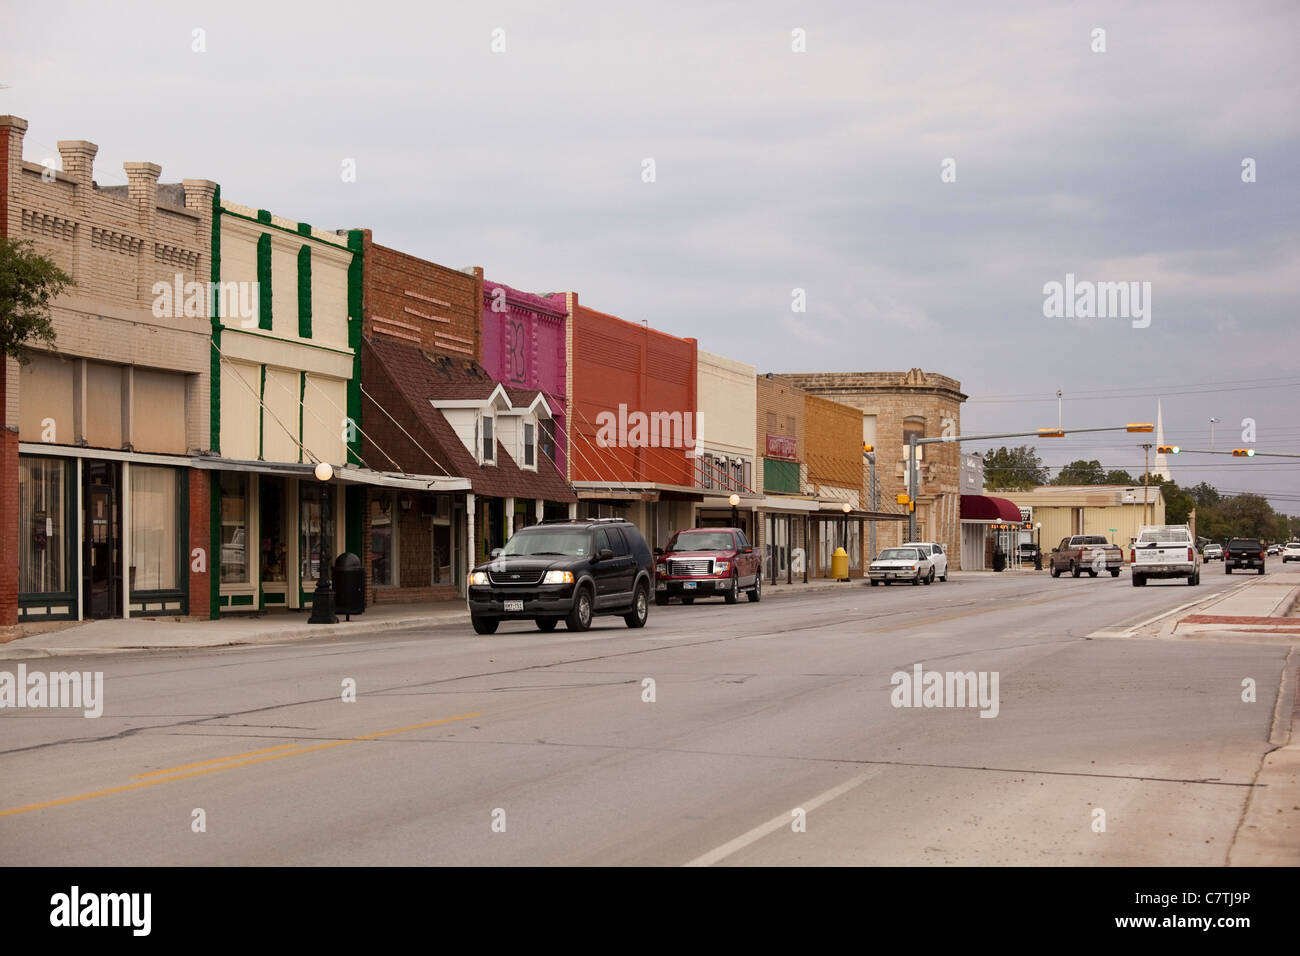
[
  {"x": 478, "y": 577},
  {"x": 721, "y": 567},
  {"x": 661, "y": 568},
  {"x": 558, "y": 577}
]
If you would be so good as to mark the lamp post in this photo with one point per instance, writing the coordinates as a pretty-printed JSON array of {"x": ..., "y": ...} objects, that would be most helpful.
[
  {"x": 844, "y": 523},
  {"x": 322, "y": 604},
  {"x": 734, "y": 501}
]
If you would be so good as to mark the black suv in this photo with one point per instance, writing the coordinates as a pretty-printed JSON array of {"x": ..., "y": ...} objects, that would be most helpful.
[{"x": 564, "y": 570}]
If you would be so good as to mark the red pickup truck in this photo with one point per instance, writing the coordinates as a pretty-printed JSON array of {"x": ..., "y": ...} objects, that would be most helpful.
[{"x": 708, "y": 562}]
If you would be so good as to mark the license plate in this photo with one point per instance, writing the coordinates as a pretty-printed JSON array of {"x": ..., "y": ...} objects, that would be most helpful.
[
  {"x": 514, "y": 605},
  {"x": 661, "y": 586},
  {"x": 688, "y": 586}
]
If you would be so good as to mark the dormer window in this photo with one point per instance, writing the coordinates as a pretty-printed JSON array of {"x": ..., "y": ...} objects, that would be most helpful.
[
  {"x": 489, "y": 450},
  {"x": 530, "y": 445}
]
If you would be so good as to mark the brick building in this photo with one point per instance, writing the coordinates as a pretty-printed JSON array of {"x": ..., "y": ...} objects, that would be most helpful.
[
  {"x": 524, "y": 346},
  {"x": 107, "y": 518},
  {"x": 892, "y": 405},
  {"x": 436, "y": 415},
  {"x": 632, "y": 422}
]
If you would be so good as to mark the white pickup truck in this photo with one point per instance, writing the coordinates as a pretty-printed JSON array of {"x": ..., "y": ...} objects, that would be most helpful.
[{"x": 1165, "y": 551}]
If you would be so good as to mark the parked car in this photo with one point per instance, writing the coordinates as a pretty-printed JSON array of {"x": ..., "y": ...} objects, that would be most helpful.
[
  {"x": 708, "y": 562},
  {"x": 1165, "y": 551},
  {"x": 1243, "y": 553},
  {"x": 1085, "y": 552},
  {"x": 938, "y": 558},
  {"x": 1213, "y": 552},
  {"x": 567, "y": 571},
  {"x": 1291, "y": 552},
  {"x": 901, "y": 564},
  {"x": 1029, "y": 553}
]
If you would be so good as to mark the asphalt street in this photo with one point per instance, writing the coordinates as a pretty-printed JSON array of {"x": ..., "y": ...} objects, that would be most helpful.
[{"x": 542, "y": 749}]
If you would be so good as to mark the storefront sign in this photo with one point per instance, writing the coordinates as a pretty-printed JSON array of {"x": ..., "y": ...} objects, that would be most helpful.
[{"x": 782, "y": 446}]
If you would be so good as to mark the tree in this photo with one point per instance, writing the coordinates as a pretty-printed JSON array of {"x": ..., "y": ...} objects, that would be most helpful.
[
  {"x": 1178, "y": 504},
  {"x": 28, "y": 282},
  {"x": 1117, "y": 476},
  {"x": 1013, "y": 469},
  {"x": 1206, "y": 494},
  {"x": 1081, "y": 472}
]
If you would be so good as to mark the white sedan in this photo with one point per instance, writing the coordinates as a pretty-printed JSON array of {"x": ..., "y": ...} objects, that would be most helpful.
[
  {"x": 901, "y": 564},
  {"x": 938, "y": 559},
  {"x": 1291, "y": 552}
]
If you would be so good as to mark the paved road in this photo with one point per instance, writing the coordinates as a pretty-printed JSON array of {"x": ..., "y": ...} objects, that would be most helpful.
[{"x": 759, "y": 710}]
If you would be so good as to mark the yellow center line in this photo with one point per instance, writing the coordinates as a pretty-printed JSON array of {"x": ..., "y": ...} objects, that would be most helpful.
[
  {"x": 61, "y": 801},
  {"x": 204, "y": 763}
]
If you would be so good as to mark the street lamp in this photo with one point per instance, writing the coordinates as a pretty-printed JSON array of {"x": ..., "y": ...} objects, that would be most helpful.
[
  {"x": 844, "y": 523},
  {"x": 1213, "y": 421},
  {"x": 734, "y": 501},
  {"x": 322, "y": 604}
]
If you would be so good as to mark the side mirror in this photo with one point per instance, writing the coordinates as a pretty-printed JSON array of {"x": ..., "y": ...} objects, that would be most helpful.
[
  {"x": 659, "y": 552},
  {"x": 749, "y": 550},
  {"x": 497, "y": 552},
  {"x": 604, "y": 554}
]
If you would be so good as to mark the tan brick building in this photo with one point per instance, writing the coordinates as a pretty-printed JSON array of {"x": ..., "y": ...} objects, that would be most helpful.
[
  {"x": 893, "y": 404},
  {"x": 98, "y": 432}
]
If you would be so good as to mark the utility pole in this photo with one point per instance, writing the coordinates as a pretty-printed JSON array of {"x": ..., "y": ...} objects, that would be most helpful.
[
  {"x": 875, "y": 503},
  {"x": 1146, "y": 480},
  {"x": 1059, "y": 421},
  {"x": 911, "y": 486}
]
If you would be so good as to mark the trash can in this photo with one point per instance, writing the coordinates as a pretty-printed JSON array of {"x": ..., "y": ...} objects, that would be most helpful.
[
  {"x": 349, "y": 585},
  {"x": 999, "y": 560},
  {"x": 840, "y": 564}
]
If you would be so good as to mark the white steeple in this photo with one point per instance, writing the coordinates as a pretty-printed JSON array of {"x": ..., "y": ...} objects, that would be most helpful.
[{"x": 1161, "y": 467}]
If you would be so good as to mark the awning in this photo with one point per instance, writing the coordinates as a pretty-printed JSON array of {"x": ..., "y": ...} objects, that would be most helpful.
[
  {"x": 990, "y": 509},
  {"x": 635, "y": 491},
  {"x": 346, "y": 475}
]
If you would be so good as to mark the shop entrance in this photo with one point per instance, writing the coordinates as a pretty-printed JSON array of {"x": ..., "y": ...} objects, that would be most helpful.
[{"x": 102, "y": 541}]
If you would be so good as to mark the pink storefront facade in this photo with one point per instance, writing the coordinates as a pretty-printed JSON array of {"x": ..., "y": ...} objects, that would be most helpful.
[{"x": 524, "y": 347}]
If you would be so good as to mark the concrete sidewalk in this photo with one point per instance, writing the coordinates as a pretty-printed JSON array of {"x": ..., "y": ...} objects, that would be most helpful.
[
  {"x": 1263, "y": 605},
  {"x": 277, "y": 627}
]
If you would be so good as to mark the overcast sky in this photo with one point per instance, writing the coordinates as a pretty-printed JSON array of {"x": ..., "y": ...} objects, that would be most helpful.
[{"x": 774, "y": 170}]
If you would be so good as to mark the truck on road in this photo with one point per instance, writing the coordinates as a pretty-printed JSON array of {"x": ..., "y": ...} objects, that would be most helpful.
[
  {"x": 1085, "y": 552},
  {"x": 1165, "y": 551},
  {"x": 1243, "y": 553}
]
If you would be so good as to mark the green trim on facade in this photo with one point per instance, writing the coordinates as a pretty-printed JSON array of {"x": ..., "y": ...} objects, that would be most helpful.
[
  {"x": 214, "y": 546},
  {"x": 264, "y": 216},
  {"x": 304, "y": 292},
  {"x": 302, "y": 400},
  {"x": 304, "y": 229},
  {"x": 261, "y": 416},
  {"x": 264, "y": 281},
  {"x": 214, "y": 370},
  {"x": 354, "y": 506},
  {"x": 356, "y": 242},
  {"x": 296, "y": 231}
]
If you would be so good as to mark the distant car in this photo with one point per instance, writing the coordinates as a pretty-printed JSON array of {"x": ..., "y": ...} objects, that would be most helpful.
[
  {"x": 938, "y": 558},
  {"x": 708, "y": 562},
  {"x": 901, "y": 564},
  {"x": 1274, "y": 549},
  {"x": 1291, "y": 552},
  {"x": 1085, "y": 552},
  {"x": 564, "y": 571},
  {"x": 1213, "y": 552},
  {"x": 1029, "y": 553},
  {"x": 1243, "y": 553}
]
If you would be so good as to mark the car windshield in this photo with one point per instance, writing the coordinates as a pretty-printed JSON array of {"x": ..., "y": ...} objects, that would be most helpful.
[
  {"x": 702, "y": 541},
  {"x": 897, "y": 554},
  {"x": 1093, "y": 539},
  {"x": 1244, "y": 543},
  {"x": 548, "y": 541}
]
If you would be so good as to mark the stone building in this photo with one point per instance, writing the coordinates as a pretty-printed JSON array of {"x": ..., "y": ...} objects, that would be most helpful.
[
  {"x": 894, "y": 404},
  {"x": 105, "y": 515}
]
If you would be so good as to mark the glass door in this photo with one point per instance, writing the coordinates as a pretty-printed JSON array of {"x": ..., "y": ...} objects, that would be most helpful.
[{"x": 102, "y": 542}]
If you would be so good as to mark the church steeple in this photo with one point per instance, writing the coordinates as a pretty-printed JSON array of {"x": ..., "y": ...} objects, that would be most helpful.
[{"x": 1161, "y": 467}]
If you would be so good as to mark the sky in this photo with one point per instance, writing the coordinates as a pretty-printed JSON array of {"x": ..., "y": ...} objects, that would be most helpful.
[{"x": 921, "y": 171}]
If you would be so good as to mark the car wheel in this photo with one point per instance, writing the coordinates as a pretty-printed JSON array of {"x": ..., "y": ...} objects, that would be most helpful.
[
  {"x": 640, "y": 609},
  {"x": 484, "y": 625},
  {"x": 1092, "y": 573},
  {"x": 1075, "y": 571},
  {"x": 875, "y": 583},
  {"x": 930, "y": 580},
  {"x": 661, "y": 600},
  {"x": 1261, "y": 569},
  {"x": 1056, "y": 572},
  {"x": 888, "y": 583},
  {"x": 916, "y": 580},
  {"x": 1114, "y": 572},
  {"x": 756, "y": 592},
  {"x": 689, "y": 600},
  {"x": 733, "y": 593},
  {"x": 1139, "y": 581},
  {"x": 1227, "y": 569},
  {"x": 943, "y": 577},
  {"x": 579, "y": 618},
  {"x": 1193, "y": 580},
  {"x": 546, "y": 623}
]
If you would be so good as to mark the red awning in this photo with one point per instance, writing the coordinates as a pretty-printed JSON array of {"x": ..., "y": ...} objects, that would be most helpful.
[{"x": 988, "y": 508}]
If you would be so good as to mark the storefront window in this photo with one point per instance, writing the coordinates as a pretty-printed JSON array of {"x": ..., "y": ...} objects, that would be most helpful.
[
  {"x": 274, "y": 553},
  {"x": 310, "y": 543},
  {"x": 381, "y": 538},
  {"x": 153, "y": 528},
  {"x": 234, "y": 527},
  {"x": 42, "y": 537}
]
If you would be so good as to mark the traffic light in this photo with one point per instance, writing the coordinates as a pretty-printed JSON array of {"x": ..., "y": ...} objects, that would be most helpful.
[
  {"x": 866, "y": 449},
  {"x": 1051, "y": 433},
  {"x": 1139, "y": 427},
  {"x": 1243, "y": 453},
  {"x": 1168, "y": 449}
]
